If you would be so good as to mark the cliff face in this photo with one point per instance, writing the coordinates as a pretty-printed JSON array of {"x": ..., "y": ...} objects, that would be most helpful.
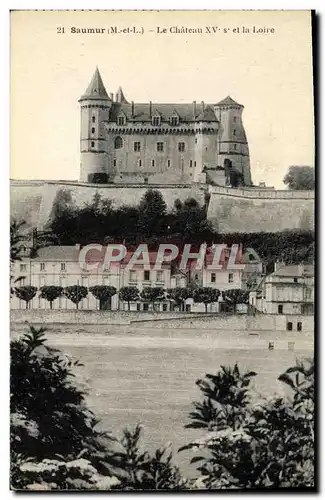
[{"x": 230, "y": 210}]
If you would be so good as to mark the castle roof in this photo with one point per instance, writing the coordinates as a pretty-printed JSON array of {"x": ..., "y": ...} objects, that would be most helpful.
[
  {"x": 96, "y": 88},
  {"x": 143, "y": 112},
  {"x": 120, "y": 97},
  {"x": 207, "y": 115},
  {"x": 228, "y": 101}
]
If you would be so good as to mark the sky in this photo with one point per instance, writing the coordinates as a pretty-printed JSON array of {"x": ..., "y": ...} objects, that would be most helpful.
[{"x": 270, "y": 73}]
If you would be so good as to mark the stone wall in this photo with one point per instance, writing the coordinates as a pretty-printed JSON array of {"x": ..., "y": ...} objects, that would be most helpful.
[
  {"x": 167, "y": 320},
  {"x": 254, "y": 210},
  {"x": 230, "y": 210}
]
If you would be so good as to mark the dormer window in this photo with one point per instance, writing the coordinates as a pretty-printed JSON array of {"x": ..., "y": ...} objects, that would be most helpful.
[
  {"x": 156, "y": 121},
  {"x": 174, "y": 121},
  {"x": 121, "y": 120}
]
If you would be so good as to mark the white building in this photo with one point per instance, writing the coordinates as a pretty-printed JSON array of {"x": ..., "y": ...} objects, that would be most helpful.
[{"x": 288, "y": 290}]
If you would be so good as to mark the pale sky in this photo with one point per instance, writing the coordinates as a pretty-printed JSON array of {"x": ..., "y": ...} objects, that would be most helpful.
[{"x": 270, "y": 74}]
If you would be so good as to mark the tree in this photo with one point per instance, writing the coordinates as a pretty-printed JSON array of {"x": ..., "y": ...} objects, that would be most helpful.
[
  {"x": 76, "y": 293},
  {"x": 300, "y": 177},
  {"x": 50, "y": 293},
  {"x": 249, "y": 445},
  {"x": 152, "y": 211},
  {"x": 129, "y": 294},
  {"x": 179, "y": 295},
  {"x": 153, "y": 295},
  {"x": 54, "y": 441},
  {"x": 104, "y": 294},
  {"x": 137, "y": 470},
  {"x": 17, "y": 238},
  {"x": 206, "y": 295},
  {"x": 26, "y": 293},
  {"x": 235, "y": 296}
]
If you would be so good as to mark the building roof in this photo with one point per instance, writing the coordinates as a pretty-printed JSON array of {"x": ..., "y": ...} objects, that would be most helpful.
[
  {"x": 207, "y": 115},
  {"x": 120, "y": 97},
  {"x": 228, "y": 101},
  {"x": 96, "y": 88},
  {"x": 143, "y": 112},
  {"x": 294, "y": 271},
  {"x": 57, "y": 253}
]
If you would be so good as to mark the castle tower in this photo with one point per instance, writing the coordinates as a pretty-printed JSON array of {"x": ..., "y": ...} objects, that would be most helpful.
[
  {"x": 206, "y": 130},
  {"x": 95, "y": 107},
  {"x": 232, "y": 142}
]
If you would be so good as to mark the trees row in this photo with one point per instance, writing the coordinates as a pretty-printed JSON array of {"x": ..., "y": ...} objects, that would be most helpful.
[
  {"x": 129, "y": 294},
  {"x": 150, "y": 222},
  {"x": 56, "y": 445}
]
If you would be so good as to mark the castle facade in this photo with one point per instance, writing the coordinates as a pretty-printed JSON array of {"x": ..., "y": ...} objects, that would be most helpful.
[{"x": 123, "y": 142}]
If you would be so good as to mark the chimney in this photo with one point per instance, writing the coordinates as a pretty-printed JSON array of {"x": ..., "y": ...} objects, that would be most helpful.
[
  {"x": 202, "y": 105},
  {"x": 117, "y": 97},
  {"x": 111, "y": 95},
  {"x": 194, "y": 109},
  {"x": 150, "y": 109},
  {"x": 278, "y": 264},
  {"x": 132, "y": 109}
]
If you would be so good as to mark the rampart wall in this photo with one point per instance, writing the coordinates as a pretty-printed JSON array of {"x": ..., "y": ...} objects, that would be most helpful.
[{"x": 229, "y": 210}]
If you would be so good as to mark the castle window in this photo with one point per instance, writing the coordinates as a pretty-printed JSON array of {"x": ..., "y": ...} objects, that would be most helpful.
[
  {"x": 191, "y": 163},
  {"x": 235, "y": 147},
  {"x": 181, "y": 147},
  {"x": 235, "y": 119},
  {"x": 195, "y": 140},
  {"x": 136, "y": 146},
  {"x": 93, "y": 119},
  {"x": 93, "y": 130},
  {"x": 168, "y": 163},
  {"x": 213, "y": 277},
  {"x": 156, "y": 121},
  {"x": 118, "y": 143},
  {"x": 121, "y": 120},
  {"x": 195, "y": 164},
  {"x": 160, "y": 146},
  {"x": 23, "y": 267},
  {"x": 234, "y": 131},
  {"x": 42, "y": 266},
  {"x": 174, "y": 121},
  {"x": 92, "y": 144},
  {"x": 146, "y": 275},
  {"x": 230, "y": 278},
  {"x": 139, "y": 163},
  {"x": 63, "y": 268},
  {"x": 152, "y": 163},
  {"x": 114, "y": 163}
]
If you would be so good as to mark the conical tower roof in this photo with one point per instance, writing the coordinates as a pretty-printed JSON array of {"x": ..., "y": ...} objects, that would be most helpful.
[
  {"x": 120, "y": 97},
  {"x": 96, "y": 88},
  {"x": 228, "y": 101}
]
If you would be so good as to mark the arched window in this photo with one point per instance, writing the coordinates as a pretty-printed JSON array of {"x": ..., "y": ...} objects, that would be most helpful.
[{"x": 118, "y": 143}]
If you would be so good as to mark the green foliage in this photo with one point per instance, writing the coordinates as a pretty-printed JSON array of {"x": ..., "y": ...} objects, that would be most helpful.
[
  {"x": 129, "y": 294},
  {"x": 152, "y": 294},
  {"x": 247, "y": 445},
  {"x": 137, "y": 470},
  {"x": 235, "y": 296},
  {"x": 76, "y": 293},
  {"x": 26, "y": 293},
  {"x": 206, "y": 295},
  {"x": 300, "y": 177},
  {"x": 103, "y": 293},
  {"x": 51, "y": 293},
  {"x": 51, "y": 427}
]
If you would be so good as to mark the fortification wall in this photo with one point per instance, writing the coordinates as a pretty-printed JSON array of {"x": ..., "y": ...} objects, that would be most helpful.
[
  {"x": 33, "y": 200},
  {"x": 254, "y": 210},
  {"x": 230, "y": 210}
]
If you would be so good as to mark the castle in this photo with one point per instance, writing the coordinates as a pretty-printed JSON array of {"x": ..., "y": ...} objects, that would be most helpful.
[
  {"x": 183, "y": 150},
  {"x": 124, "y": 142}
]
